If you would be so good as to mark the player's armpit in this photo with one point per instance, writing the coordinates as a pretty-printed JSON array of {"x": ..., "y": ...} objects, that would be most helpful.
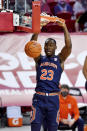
[{"x": 65, "y": 52}]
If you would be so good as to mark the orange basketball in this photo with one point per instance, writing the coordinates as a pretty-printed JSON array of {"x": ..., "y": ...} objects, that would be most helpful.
[{"x": 33, "y": 49}]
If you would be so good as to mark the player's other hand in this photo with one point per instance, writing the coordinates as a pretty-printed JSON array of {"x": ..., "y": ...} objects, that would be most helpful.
[{"x": 60, "y": 23}]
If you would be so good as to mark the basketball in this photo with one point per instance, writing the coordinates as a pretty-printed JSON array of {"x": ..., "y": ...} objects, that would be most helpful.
[{"x": 33, "y": 49}]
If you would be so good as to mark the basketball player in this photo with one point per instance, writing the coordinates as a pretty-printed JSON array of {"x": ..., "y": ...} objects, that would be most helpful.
[
  {"x": 49, "y": 69},
  {"x": 85, "y": 72}
]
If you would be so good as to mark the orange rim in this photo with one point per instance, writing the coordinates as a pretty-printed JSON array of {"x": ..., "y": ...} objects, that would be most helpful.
[{"x": 52, "y": 18}]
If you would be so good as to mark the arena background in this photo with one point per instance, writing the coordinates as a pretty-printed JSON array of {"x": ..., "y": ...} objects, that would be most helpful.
[{"x": 17, "y": 71}]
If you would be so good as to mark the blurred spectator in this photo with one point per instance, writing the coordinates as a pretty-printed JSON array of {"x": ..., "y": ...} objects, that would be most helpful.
[
  {"x": 69, "y": 112},
  {"x": 82, "y": 20},
  {"x": 45, "y": 7},
  {"x": 78, "y": 7},
  {"x": 62, "y": 6},
  {"x": 84, "y": 2},
  {"x": 29, "y": 2},
  {"x": 85, "y": 72},
  {"x": 21, "y": 7},
  {"x": 11, "y": 4}
]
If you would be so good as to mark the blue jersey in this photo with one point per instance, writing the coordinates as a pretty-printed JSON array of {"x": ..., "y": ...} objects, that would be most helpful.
[{"x": 48, "y": 74}]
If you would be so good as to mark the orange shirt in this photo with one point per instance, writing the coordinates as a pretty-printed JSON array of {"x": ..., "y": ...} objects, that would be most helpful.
[{"x": 68, "y": 106}]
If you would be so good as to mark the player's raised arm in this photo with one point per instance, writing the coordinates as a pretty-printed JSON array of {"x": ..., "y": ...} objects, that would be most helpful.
[
  {"x": 85, "y": 68},
  {"x": 34, "y": 36},
  {"x": 66, "y": 50}
]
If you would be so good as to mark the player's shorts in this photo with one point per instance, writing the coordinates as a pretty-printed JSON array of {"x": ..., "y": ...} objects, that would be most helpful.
[{"x": 45, "y": 107}]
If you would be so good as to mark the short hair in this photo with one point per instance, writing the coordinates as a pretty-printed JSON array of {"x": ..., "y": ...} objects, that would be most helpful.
[
  {"x": 65, "y": 86},
  {"x": 50, "y": 39}
]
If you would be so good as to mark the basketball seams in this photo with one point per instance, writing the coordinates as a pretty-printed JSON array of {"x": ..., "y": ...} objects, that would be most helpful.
[
  {"x": 37, "y": 49},
  {"x": 33, "y": 49}
]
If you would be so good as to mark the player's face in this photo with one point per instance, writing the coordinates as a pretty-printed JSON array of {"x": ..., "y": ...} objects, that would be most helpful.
[{"x": 49, "y": 48}]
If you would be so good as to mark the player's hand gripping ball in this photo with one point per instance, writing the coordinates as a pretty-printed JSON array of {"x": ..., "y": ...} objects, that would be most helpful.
[{"x": 33, "y": 49}]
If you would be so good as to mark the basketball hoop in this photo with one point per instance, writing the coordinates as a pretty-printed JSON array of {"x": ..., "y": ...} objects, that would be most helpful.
[{"x": 45, "y": 17}]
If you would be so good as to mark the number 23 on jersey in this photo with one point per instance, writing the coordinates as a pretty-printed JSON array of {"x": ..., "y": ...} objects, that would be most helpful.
[{"x": 47, "y": 74}]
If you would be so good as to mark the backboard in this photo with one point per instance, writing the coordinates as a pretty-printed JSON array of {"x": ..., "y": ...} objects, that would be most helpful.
[{"x": 28, "y": 12}]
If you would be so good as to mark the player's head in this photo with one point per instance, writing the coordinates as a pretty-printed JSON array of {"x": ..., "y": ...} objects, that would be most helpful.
[
  {"x": 50, "y": 47},
  {"x": 64, "y": 90}
]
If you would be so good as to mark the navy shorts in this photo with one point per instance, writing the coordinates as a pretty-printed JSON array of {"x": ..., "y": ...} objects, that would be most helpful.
[{"x": 45, "y": 107}]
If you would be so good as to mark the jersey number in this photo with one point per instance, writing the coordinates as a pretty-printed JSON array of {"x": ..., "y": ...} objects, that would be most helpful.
[{"x": 47, "y": 74}]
